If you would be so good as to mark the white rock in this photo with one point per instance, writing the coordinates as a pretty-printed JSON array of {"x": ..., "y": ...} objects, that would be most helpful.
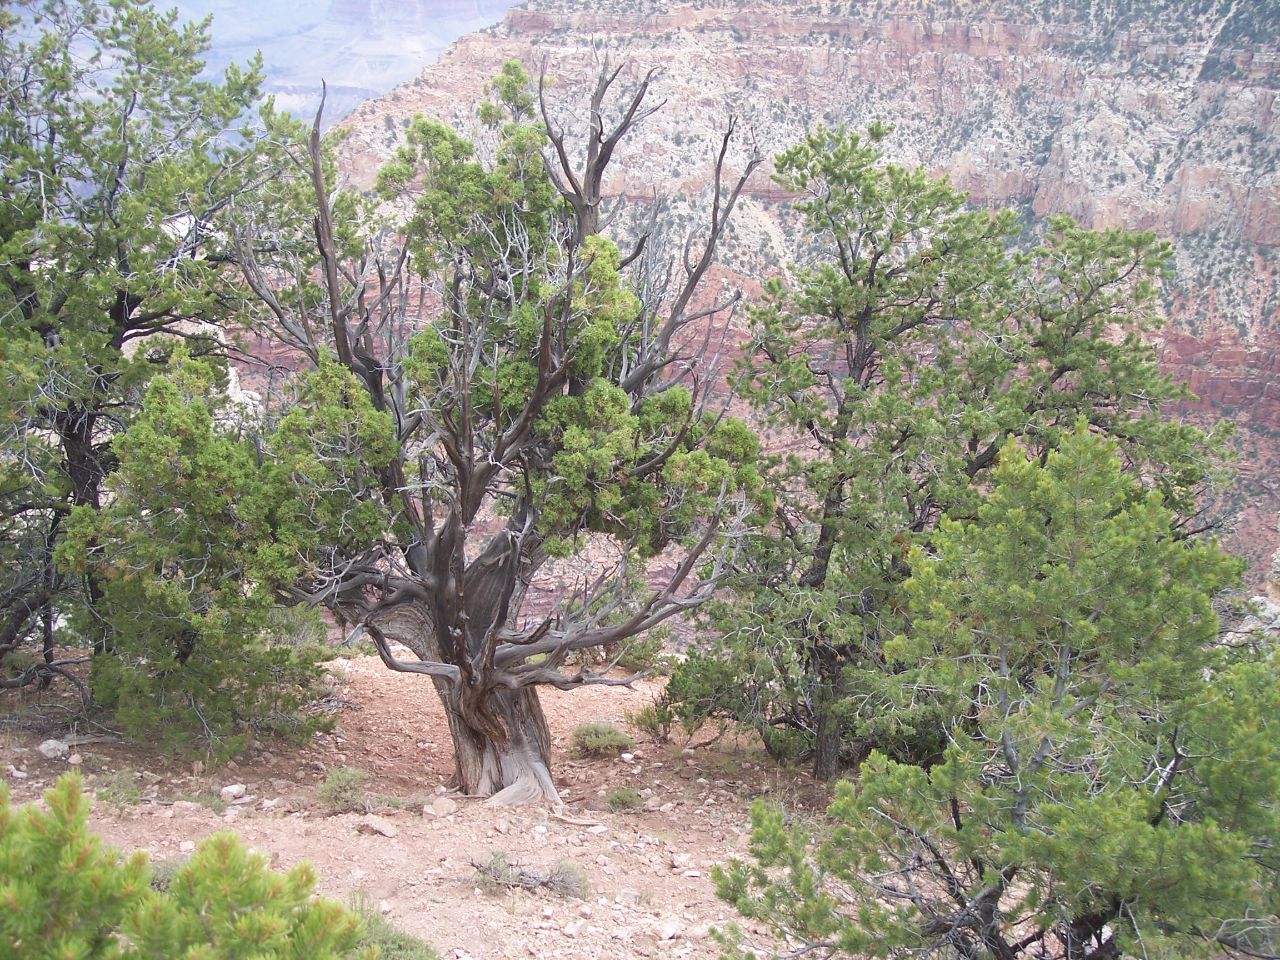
[
  {"x": 441, "y": 807},
  {"x": 669, "y": 930},
  {"x": 75, "y": 760},
  {"x": 53, "y": 749},
  {"x": 186, "y": 846},
  {"x": 574, "y": 927},
  {"x": 372, "y": 824},
  {"x": 233, "y": 791},
  {"x": 16, "y": 773},
  {"x": 628, "y": 758}
]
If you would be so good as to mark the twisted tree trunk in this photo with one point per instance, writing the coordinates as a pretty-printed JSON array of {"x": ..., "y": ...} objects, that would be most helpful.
[
  {"x": 514, "y": 769},
  {"x": 501, "y": 743}
]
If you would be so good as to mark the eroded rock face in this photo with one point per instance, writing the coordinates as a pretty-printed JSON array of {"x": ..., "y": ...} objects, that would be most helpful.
[{"x": 1163, "y": 119}]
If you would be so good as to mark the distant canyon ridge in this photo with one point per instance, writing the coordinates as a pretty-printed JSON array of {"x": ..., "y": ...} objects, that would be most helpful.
[{"x": 1147, "y": 114}]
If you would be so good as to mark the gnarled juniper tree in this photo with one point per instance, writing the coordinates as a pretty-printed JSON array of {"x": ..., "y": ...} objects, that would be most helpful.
[{"x": 484, "y": 388}]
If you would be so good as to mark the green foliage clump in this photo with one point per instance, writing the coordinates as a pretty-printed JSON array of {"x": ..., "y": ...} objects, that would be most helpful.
[
  {"x": 120, "y": 789},
  {"x": 200, "y": 650},
  {"x": 1110, "y": 773},
  {"x": 500, "y": 872},
  {"x": 65, "y": 895},
  {"x": 598, "y": 739},
  {"x": 387, "y": 940},
  {"x": 653, "y": 719},
  {"x": 343, "y": 790},
  {"x": 120, "y": 152},
  {"x": 624, "y": 800},
  {"x": 907, "y": 354}
]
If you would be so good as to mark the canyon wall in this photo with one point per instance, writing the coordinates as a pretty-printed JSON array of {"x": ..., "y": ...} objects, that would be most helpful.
[{"x": 1157, "y": 115}]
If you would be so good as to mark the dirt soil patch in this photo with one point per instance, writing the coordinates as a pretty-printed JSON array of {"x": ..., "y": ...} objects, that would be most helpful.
[{"x": 413, "y": 850}]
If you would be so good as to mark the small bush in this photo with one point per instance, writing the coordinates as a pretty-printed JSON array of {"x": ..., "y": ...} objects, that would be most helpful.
[
  {"x": 207, "y": 799},
  {"x": 120, "y": 790},
  {"x": 624, "y": 799},
  {"x": 390, "y": 942},
  {"x": 599, "y": 739},
  {"x": 654, "y": 720},
  {"x": 66, "y": 895},
  {"x": 500, "y": 873},
  {"x": 342, "y": 790},
  {"x": 646, "y": 654},
  {"x": 569, "y": 880},
  {"x": 165, "y": 872}
]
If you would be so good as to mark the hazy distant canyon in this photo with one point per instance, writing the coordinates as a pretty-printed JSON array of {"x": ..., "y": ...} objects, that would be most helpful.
[
  {"x": 1153, "y": 114},
  {"x": 360, "y": 48}
]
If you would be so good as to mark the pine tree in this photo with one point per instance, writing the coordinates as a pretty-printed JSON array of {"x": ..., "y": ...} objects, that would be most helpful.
[
  {"x": 1110, "y": 772},
  {"x": 491, "y": 390},
  {"x": 119, "y": 160},
  {"x": 900, "y": 359},
  {"x": 64, "y": 896}
]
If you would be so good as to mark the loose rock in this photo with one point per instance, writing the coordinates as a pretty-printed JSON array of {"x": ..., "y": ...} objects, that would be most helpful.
[
  {"x": 669, "y": 930},
  {"x": 233, "y": 791},
  {"x": 53, "y": 749},
  {"x": 376, "y": 825},
  {"x": 441, "y": 807}
]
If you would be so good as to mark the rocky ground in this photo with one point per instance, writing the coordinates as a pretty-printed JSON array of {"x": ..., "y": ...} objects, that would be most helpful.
[{"x": 415, "y": 848}]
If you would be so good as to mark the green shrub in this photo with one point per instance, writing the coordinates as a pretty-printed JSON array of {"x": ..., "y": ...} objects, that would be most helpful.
[
  {"x": 499, "y": 872},
  {"x": 569, "y": 880},
  {"x": 64, "y": 895},
  {"x": 653, "y": 719},
  {"x": 194, "y": 658},
  {"x": 207, "y": 799},
  {"x": 599, "y": 739},
  {"x": 1109, "y": 778},
  {"x": 644, "y": 654},
  {"x": 119, "y": 789},
  {"x": 164, "y": 872},
  {"x": 624, "y": 799},
  {"x": 390, "y": 942},
  {"x": 342, "y": 790}
]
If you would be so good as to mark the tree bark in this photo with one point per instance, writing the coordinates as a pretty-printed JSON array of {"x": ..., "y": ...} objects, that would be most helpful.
[
  {"x": 513, "y": 771},
  {"x": 830, "y": 724}
]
